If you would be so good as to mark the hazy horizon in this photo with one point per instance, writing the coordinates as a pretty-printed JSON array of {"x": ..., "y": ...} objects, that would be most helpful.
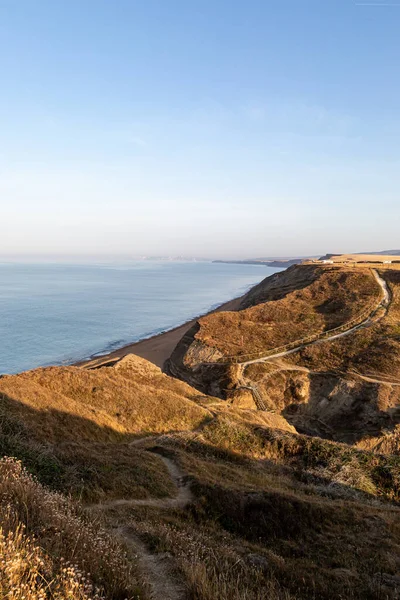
[
  {"x": 214, "y": 129},
  {"x": 126, "y": 258}
]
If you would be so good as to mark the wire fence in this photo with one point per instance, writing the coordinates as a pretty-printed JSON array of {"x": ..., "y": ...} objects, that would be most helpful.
[{"x": 349, "y": 325}]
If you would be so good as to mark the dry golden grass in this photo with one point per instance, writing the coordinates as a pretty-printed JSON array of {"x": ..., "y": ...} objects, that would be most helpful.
[
  {"x": 247, "y": 416},
  {"x": 213, "y": 563},
  {"x": 387, "y": 444},
  {"x": 275, "y": 514},
  {"x": 73, "y": 427},
  {"x": 132, "y": 397},
  {"x": 352, "y": 392},
  {"x": 303, "y": 521},
  {"x": 280, "y": 512},
  {"x": 374, "y": 351},
  {"x": 333, "y": 403},
  {"x": 87, "y": 470},
  {"x": 48, "y": 549},
  {"x": 344, "y": 391},
  {"x": 359, "y": 258},
  {"x": 259, "y": 457},
  {"x": 26, "y": 569},
  {"x": 95, "y": 472},
  {"x": 214, "y": 578},
  {"x": 330, "y": 300}
]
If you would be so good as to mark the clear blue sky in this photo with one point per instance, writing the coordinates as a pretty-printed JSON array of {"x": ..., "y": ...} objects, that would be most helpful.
[{"x": 218, "y": 128}]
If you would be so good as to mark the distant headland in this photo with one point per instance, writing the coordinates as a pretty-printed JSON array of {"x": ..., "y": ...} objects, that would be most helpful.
[
  {"x": 267, "y": 262},
  {"x": 286, "y": 262}
]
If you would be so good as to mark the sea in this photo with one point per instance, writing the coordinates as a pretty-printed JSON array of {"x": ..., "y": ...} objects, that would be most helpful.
[{"x": 54, "y": 314}]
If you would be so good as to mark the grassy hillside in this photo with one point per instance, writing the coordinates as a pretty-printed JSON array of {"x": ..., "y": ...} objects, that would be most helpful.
[
  {"x": 346, "y": 389},
  {"x": 122, "y": 482},
  {"x": 131, "y": 397},
  {"x": 271, "y": 514},
  {"x": 277, "y": 515},
  {"x": 72, "y": 427},
  {"x": 372, "y": 350},
  {"x": 49, "y": 548},
  {"x": 322, "y": 300}
]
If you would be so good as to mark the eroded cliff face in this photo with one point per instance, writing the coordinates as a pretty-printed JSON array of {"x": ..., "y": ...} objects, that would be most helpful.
[
  {"x": 332, "y": 406},
  {"x": 341, "y": 408},
  {"x": 195, "y": 362},
  {"x": 325, "y": 390}
]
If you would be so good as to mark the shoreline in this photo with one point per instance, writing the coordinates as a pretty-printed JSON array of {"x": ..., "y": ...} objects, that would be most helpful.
[{"x": 158, "y": 347}]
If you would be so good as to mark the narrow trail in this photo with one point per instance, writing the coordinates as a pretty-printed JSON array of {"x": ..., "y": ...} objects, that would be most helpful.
[
  {"x": 366, "y": 377},
  {"x": 370, "y": 379},
  {"x": 378, "y": 378},
  {"x": 257, "y": 396},
  {"x": 156, "y": 568},
  {"x": 181, "y": 500},
  {"x": 384, "y": 303}
]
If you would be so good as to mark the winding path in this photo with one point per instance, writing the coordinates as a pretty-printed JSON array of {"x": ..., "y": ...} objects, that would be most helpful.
[
  {"x": 157, "y": 568},
  {"x": 369, "y": 378},
  {"x": 257, "y": 396},
  {"x": 384, "y": 303},
  {"x": 181, "y": 500}
]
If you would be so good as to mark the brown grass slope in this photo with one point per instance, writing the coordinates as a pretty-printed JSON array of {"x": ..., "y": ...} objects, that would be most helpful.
[
  {"x": 352, "y": 385},
  {"x": 375, "y": 350},
  {"x": 278, "y": 515},
  {"x": 131, "y": 397},
  {"x": 346, "y": 389},
  {"x": 50, "y": 549},
  {"x": 73, "y": 427},
  {"x": 274, "y": 514},
  {"x": 284, "y": 308},
  {"x": 328, "y": 301}
]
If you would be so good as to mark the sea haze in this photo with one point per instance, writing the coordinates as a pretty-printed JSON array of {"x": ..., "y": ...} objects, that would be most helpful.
[{"x": 57, "y": 314}]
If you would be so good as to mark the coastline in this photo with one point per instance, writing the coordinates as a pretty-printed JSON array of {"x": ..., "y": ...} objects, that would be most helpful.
[{"x": 156, "y": 348}]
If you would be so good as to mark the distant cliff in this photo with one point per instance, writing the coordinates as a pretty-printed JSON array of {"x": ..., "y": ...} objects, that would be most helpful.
[{"x": 284, "y": 263}]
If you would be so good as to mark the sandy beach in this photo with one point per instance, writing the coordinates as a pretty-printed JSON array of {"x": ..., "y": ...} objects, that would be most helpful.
[{"x": 157, "y": 348}]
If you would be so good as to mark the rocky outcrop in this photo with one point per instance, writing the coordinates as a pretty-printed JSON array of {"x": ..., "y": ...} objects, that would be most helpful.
[{"x": 196, "y": 363}]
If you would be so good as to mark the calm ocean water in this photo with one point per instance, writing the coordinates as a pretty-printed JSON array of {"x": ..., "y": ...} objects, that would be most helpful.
[{"x": 55, "y": 314}]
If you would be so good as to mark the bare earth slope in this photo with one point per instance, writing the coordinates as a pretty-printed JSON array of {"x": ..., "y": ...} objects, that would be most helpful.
[{"x": 344, "y": 388}]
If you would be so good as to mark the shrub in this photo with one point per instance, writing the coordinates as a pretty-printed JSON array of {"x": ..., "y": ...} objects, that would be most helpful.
[{"x": 48, "y": 547}]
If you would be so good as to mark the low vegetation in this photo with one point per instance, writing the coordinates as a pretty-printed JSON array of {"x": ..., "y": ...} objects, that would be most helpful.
[
  {"x": 330, "y": 300},
  {"x": 102, "y": 404},
  {"x": 50, "y": 549},
  {"x": 375, "y": 350},
  {"x": 346, "y": 389},
  {"x": 278, "y": 516},
  {"x": 87, "y": 469},
  {"x": 268, "y": 512}
]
